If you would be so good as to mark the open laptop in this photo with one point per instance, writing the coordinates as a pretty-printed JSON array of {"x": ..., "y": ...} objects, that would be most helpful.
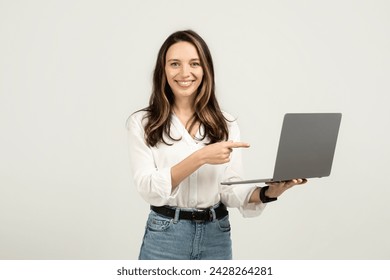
[{"x": 306, "y": 147}]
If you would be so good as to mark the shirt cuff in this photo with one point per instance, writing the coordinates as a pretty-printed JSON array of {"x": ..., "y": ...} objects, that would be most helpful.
[
  {"x": 163, "y": 183},
  {"x": 253, "y": 209}
]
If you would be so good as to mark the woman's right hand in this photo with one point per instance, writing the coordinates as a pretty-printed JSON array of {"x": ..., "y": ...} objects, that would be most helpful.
[
  {"x": 219, "y": 153},
  {"x": 216, "y": 153}
]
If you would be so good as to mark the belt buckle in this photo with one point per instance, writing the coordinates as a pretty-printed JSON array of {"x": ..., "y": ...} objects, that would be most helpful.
[
  {"x": 202, "y": 215},
  {"x": 197, "y": 216}
]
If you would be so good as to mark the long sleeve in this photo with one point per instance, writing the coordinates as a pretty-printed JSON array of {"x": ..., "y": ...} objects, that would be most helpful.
[{"x": 153, "y": 184}]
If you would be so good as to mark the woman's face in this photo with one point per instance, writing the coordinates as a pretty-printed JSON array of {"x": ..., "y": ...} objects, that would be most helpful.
[{"x": 183, "y": 69}]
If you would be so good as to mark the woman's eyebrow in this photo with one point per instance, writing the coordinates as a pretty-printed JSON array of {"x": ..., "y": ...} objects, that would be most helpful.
[{"x": 176, "y": 59}]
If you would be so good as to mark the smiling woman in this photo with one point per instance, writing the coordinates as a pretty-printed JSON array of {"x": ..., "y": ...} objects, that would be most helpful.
[{"x": 181, "y": 147}]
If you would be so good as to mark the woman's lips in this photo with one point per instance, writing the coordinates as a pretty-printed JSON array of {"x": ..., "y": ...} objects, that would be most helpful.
[{"x": 184, "y": 83}]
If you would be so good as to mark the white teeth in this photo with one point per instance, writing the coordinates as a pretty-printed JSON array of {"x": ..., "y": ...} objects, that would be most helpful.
[{"x": 184, "y": 84}]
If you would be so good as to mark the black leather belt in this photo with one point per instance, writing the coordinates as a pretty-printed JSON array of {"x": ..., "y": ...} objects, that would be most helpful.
[{"x": 196, "y": 215}]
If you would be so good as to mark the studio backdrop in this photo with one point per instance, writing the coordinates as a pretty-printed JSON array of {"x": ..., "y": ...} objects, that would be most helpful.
[{"x": 71, "y": 72}]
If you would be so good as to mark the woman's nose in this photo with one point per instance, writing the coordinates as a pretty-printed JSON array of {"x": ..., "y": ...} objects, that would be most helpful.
[{"x": 185, "y": 70}]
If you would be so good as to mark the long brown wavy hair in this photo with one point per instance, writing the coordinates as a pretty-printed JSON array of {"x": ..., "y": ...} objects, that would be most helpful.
[{"x": 207, "y": 111}]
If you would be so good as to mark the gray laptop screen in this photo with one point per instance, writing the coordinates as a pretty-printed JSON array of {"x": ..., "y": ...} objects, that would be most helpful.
[{"x": 307, "y": 144}]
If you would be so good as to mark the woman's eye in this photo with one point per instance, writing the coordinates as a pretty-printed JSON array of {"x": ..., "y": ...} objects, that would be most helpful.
[
  {"x": 195, "y": 64},
  {"x": 174, "y": 64}
]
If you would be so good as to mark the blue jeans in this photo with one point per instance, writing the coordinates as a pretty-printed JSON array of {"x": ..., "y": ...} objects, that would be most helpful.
[{"x": 173, "y": 239}]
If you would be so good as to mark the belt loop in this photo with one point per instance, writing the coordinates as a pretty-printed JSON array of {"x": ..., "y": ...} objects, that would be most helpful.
[
  {"x": 214, "y": 216},
  {"x": 177, "y": 213}
]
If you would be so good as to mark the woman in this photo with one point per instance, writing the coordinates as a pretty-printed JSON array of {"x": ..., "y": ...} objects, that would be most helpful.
[{"x": 181, "y": 147}]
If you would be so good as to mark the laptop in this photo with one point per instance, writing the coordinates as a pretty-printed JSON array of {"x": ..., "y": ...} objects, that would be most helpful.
[{"x": 306, "y": 147}]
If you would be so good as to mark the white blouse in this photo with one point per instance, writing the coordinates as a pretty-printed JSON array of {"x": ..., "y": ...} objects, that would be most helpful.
[{"x": 151, "y": 170}]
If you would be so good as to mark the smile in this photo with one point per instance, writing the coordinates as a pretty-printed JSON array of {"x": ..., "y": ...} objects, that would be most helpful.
[{"x": 184, "y": 83}]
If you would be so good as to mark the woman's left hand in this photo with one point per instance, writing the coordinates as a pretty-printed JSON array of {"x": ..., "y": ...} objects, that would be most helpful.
[{"x": 277, "y": 188}]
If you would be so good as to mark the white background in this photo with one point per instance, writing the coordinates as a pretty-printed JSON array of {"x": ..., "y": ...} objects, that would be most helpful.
[{"x": 71, "y": 72}]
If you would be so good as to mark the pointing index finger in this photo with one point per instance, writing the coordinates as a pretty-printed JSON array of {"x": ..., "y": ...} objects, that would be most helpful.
[{"x": 238, "y": 145}]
